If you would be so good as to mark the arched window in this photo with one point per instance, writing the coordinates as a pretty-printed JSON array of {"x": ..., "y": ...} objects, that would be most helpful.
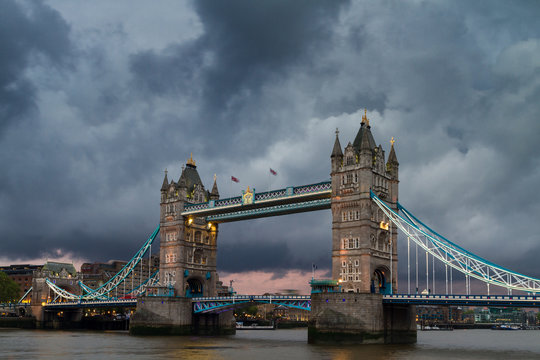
[{"x": 197, "y": 256}]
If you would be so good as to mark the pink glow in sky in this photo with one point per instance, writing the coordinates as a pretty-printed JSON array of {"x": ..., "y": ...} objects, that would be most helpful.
[{"x": 259, "y": 282}]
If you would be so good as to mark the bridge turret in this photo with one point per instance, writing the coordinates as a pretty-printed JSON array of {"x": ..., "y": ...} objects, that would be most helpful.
[
  {"x": 188, "y": 253},
  {"x": 214, "y": 194},
  {"x": 337, "y": 154},
  {"x": 364, "y": 258},
  {"x": 392, "y": 169}
]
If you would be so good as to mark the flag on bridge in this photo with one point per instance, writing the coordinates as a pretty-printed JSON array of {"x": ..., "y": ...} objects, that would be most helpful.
[
  {"x": 273, "y": 172},
  {"x": 234, "y": 179}
]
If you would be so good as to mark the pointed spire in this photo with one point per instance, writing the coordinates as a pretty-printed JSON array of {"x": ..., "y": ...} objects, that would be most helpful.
[
  {"x": 214, "y": 193},
  {"x": 165, "y": 182},
  {"x": 365, "y": 143},
  {"x": 392, "y": 158},
  {"x": 336, "y": 152},
  {"x": 360, "y": 136}
]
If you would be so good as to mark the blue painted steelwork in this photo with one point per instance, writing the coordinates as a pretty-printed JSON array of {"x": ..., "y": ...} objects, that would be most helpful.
[
  {"x": 105, "y": 289},
  {"x": 455, "y": 256},
  {"x": 464, "y": 300},
  {"x": 92, "y": 304},
  {"x": 214, "y": 210},
  {"x": 213, "y": 304},
  {"x": 25, "y": 295},
  {"x": 272, "y": 210}
]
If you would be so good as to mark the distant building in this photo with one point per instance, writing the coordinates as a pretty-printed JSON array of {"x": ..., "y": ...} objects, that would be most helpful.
[
  {"x": 499, "y": 315},
  {"x": 22, "y": 274},
  {"x": 439, "y": 314}
]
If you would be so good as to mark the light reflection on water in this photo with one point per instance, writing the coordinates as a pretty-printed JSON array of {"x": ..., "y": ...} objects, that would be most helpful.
[{"x": 260, "y": 344}]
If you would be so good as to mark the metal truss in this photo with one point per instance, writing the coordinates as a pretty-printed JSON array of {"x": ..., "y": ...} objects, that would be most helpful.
[
  {"x": 216, "y": 304},
  {"x": 463, "y": 300},
  {"x": 61, "y": 292},
  {"x": 103, "y": 291},
  {"x": 272, "y": 210},
  {"x": 151, "y": 281},
  {"x": 25, "y": 295},
  {"x": 273, "y": 195},
  {"x": 455, "y": 256}
]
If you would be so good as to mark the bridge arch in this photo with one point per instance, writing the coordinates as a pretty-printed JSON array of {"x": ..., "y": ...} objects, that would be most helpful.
[
  {"x": 194, "y": 287},
  {"x": 379, "y": 282}
]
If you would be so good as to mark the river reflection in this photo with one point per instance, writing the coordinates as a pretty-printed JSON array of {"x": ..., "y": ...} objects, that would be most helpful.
[{"x": 261, "y": 344}]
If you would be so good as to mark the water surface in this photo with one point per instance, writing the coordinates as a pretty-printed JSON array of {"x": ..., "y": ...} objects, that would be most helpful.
[{"x": 261, "y": 344}]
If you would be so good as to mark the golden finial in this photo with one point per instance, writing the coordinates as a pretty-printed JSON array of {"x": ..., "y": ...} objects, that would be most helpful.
[
  {"x": 215, "y": 177},
  {"x": 191, "y": 161},
  {"x": 248, "y": 189},
  {"x": 365, "y": 120},
  {"x": 392, "y": 141}
]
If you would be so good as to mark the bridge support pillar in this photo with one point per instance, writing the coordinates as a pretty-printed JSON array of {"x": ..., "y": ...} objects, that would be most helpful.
[
  {"x": 214, "y": 324},
  {"x": 359, "y": 318},
  {"x": 161, "y": 315}
]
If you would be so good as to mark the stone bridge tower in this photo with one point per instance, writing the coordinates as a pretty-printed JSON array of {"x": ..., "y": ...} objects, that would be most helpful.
[
  {"x": 364, "y": 241},
  {"x": 188, "y": 247}
]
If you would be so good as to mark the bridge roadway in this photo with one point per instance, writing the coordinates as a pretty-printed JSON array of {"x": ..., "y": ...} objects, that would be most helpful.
[
  {"x": 211, "y": 304},
  {"x": 293, "y": 199}
]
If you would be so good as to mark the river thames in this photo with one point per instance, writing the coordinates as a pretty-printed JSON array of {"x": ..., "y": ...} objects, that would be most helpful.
[{"x": 261, "y": 344}]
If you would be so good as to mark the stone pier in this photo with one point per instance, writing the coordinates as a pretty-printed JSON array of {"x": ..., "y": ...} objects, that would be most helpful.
[
  {"x": 161, "y": 315},
  {"x": 359, "y": 318}
]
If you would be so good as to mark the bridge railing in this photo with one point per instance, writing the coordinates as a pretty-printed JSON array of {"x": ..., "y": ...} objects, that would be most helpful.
[{"x": 263, "y": 196}]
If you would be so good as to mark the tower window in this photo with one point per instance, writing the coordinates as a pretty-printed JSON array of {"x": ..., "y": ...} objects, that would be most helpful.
[{"x": 349, "y": 178}]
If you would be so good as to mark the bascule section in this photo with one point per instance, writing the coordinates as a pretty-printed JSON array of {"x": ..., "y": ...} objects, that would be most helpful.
[
  {"x": 364, "y": 242},
  {"x": 188, "y": 243}
]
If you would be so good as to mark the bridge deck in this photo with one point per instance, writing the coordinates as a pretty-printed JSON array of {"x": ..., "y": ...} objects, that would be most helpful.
[
  {"x": 465, "y": 300},
  {"x": 304, "y": 301},
  {"x": 271, "y": 203}
]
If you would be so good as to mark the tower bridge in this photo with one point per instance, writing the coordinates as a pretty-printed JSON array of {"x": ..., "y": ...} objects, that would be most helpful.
[{"x": 358, "y": 304}]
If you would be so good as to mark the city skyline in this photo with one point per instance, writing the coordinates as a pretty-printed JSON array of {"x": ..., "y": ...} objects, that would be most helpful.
[{"x": 98, "y": 99}]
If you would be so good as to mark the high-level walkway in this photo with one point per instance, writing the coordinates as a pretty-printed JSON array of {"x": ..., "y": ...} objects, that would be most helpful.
[{"x": 288, "y": 200}]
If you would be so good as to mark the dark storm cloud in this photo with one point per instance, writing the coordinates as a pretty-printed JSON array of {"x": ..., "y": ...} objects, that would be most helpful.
[
  {"x": 32, "y": 32},
  {"x": 245, "y": 47}
]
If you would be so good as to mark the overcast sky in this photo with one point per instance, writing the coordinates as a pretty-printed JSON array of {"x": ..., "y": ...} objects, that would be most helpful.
[{"x": 97, "y": 98}]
